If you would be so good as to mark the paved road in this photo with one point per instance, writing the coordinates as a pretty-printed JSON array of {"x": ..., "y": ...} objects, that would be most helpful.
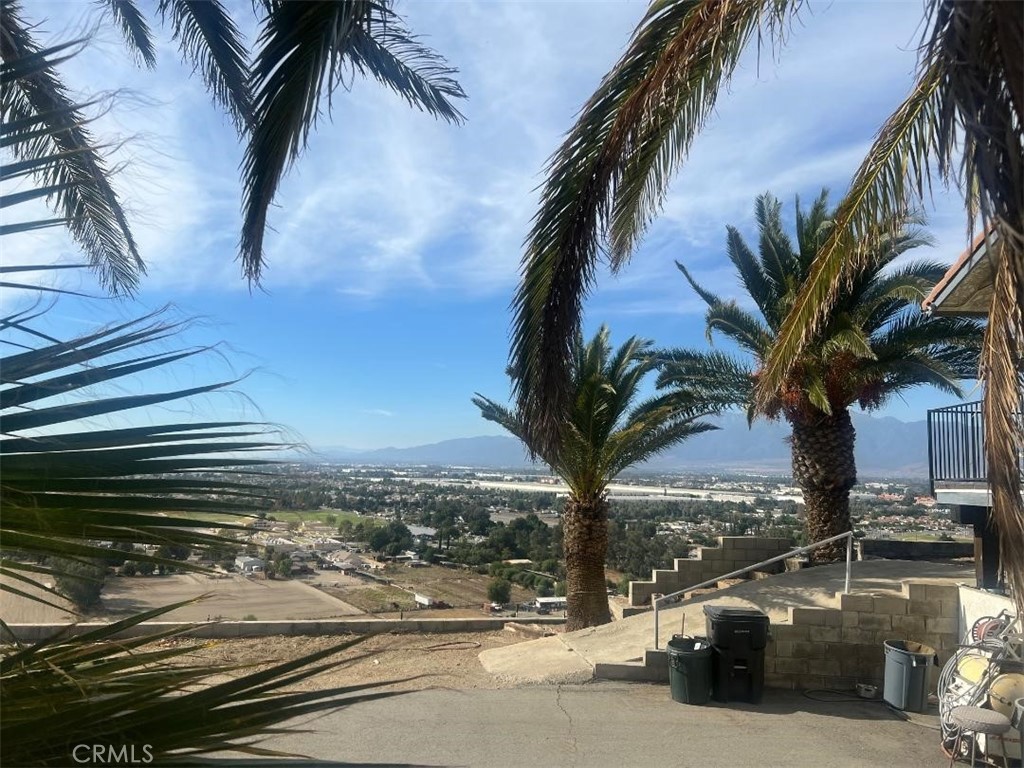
[{"x": 613, "y": 724}]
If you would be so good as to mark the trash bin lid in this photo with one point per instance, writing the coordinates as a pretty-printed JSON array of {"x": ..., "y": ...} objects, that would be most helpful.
[
  {"x": 688, "y": 644},
  {"x": 729, "y": 613}
]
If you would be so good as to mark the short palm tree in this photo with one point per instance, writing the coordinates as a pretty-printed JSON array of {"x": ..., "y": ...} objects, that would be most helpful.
[
  {"x": 607, "y": 180},
  {"x": 876, "y": 344},
  {"x": 605, "y": 434}
]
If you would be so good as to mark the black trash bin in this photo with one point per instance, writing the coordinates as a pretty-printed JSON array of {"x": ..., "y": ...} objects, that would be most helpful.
[
  {"x": 738, "y": 637},
  {"x": 689, "y": 669},
  {"x": 906, "y": 674}
]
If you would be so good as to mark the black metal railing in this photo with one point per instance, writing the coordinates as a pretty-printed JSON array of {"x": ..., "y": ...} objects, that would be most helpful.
[{"x": 956, "y": 444}]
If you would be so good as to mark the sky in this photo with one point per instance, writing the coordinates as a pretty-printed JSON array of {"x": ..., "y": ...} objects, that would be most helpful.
[{"x": 396, "y": 239}]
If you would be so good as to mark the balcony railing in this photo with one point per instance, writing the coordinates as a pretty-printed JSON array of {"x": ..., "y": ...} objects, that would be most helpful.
[{"x": 956, "y": 444}]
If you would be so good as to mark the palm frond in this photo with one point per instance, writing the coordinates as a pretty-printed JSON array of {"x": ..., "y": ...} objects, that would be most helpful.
[
  {"x": 134, "y": 29},
  {"x": 41, "y": 123},
  {"x": 1002, "y": 366},
  {"x": 610, "y": 175},
  {"x": 739, "y": 325},
  {"x": 779, "y": 263},
  {"x": 892, "y": 292},
  {"x": 846, "y": 337},
  {"x": 716, "y": 379},
  {"x": 210, "y": 39},
  {"x": 709, "y": 298},
  {"x": 756, "y": 283},
  {"x": 68, "y": 486},
  {"x": 98, "y": 689},
  {"x": 646, "y": 438},
  {"x": 303, "y": 49},
  {"x": 878, "y": 191},
  {"x": 388, "y": 52}
]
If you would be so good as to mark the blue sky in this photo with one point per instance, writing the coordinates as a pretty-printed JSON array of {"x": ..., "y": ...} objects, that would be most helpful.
[{"x": 397, "y": 239}]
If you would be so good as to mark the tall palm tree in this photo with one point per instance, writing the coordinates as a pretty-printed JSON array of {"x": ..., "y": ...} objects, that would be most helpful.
[
  {"x": 304, "y": 50},
  {"x": 607, "y": 181},
  {"x": 605, "y": 434},
  {"x": 875, "y": 344}
]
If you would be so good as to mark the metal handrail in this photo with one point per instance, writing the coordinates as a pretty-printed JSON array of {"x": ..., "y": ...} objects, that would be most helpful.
[{"x": 656, "y": 601}]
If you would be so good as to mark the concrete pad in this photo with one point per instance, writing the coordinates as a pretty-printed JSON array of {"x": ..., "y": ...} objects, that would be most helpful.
[
  {"x": 544, "y": 661},
  {"x": 610, "y": 725}
]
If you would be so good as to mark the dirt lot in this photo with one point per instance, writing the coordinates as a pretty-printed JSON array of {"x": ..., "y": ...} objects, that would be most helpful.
[
  {"x": 458, "y": 588},
  {"x": 236, "y": 597},
  {"x": 435, "y": 660},
  {"x": 230, "y": 598}
]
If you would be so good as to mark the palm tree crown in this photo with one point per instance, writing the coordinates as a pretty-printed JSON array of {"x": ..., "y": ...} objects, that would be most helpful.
[
  {"x": 606, "y": 432},
  {"x": 876, "y": 343}
]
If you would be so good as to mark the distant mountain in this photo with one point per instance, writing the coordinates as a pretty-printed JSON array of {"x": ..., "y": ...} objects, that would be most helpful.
[
  {"x": 483, "y": 451},
  {"x": 886, "y": 447}
]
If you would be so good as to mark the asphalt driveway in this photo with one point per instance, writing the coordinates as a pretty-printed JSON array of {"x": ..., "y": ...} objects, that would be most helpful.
[{"x": 613, "y": 724}]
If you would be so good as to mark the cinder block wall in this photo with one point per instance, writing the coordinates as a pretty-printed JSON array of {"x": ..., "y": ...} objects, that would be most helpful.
[
  {"x": 839, "y": 647},
  {"x": 732, "y": 553}
]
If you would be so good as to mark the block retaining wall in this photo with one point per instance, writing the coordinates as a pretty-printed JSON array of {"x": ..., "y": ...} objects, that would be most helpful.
[
  {"x": 839, "y": 647},
  {"x": 732, "y": 553}
]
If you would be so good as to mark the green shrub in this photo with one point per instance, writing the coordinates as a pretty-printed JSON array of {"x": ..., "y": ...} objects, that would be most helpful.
[
  {"x": 499, "y": 591},
  {"x": 79, "y": 581}
]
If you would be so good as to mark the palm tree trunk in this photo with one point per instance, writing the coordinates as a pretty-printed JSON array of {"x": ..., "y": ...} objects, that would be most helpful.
[
  {"x": 585, "y": 526},
  {"x": 825, "y": 470}
]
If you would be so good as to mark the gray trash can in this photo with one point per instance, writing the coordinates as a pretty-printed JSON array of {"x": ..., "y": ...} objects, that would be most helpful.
[{"x": 906, "y": 674}]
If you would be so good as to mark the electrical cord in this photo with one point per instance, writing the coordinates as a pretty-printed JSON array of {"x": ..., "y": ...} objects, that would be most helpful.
[
  {"x": 835, "y": 696},
  {"x": 456, "y": 645}
]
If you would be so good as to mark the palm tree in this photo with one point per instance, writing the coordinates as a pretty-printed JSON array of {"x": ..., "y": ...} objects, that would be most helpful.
[
  {"x": 876, "y": 344},
  {"x": 605, "y": 434},
  {"x": 607, "y": 181},
  {"x": 305, "y": 49}
]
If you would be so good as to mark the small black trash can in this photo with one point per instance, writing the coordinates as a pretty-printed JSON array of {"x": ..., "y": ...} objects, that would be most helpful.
[
  {"x": 689, "y": 669},
  {"x": 906, "y": 674}
]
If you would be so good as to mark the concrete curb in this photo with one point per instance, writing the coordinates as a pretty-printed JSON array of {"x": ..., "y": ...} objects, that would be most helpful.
[{"x": 33, "y": 633}]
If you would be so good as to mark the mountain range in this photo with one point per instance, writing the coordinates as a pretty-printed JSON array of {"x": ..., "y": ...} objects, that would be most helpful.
[{"x": 885, "y": 447}]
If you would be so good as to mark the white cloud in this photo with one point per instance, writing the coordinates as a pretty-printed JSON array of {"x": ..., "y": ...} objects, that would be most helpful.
[
  {"x": 388, "y": 201},
  {"x": 377, "y": 412}
]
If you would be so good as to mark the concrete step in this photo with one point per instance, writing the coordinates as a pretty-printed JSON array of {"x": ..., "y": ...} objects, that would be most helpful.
[{"x": 630, "y": 671}]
